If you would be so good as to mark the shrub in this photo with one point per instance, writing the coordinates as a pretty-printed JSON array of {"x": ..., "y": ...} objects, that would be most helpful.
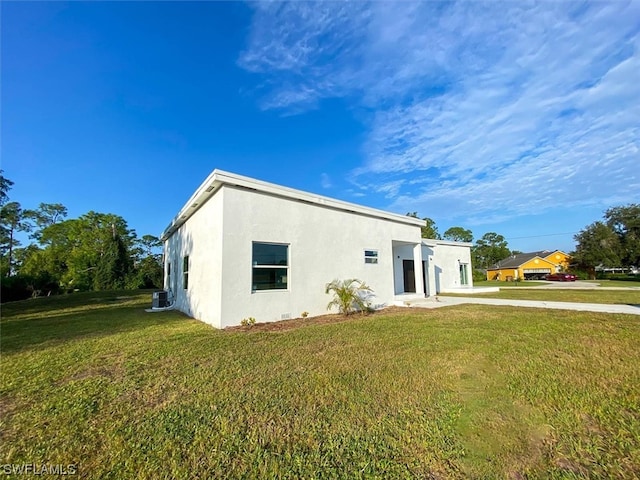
[
  {"x": 581, "y": 274},
  {"x": 625, "y": 277},
  {"x": 248, "y": 322},
  {"x": 349, "y": 296},
  {"x": 478, "y": 275},
  {"x": 16, "y": 287},
  {"x": 304, "y": 314}
]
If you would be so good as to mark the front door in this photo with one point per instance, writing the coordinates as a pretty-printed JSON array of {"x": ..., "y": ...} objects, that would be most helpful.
[{"x": 409, "y": 276}]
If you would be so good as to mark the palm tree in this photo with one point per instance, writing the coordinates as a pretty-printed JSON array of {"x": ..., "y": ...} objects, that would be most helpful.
[{"x": 349, "y": 295}]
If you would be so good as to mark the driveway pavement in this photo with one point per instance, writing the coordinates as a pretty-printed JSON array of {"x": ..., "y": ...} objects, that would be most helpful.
[
  {"x": 444, "y": 301},
  {"x": 577, "y": 285},
  {"x": 572, "y": 285}
]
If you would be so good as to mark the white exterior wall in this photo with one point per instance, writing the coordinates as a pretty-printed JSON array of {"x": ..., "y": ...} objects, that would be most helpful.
[
  {"x": 324, "y": 244},
  {"x": 431, "y": 272},
  {"x": 326, "y": 240},
  {"x": 447, "y": 257},
  {"x": 201, "y": 239},
  {"x": 401, "y": 253}
]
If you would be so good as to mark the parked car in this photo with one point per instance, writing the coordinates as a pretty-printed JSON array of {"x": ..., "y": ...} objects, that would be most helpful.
[{"x": 561, "y": 277}]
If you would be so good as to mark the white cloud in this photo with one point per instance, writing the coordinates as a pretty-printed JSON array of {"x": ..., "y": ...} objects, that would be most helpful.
[
  {"x": 325, "y": 181},
  {"x": 493, "y": 110}
]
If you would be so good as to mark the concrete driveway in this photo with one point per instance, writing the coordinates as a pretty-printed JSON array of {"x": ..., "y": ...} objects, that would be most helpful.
[
  {"x": 577, "y": 285},
  {"x": 444, "y": 301}
]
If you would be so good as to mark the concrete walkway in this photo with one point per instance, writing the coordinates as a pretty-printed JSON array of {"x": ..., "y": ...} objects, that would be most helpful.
[
  {"x": 577, "y": 285},
  {"x": 443, "y": 301}
]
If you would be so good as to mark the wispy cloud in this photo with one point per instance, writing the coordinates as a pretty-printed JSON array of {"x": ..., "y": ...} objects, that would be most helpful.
[
  {"x": 325, "y": 181},
  {"x": 493, "y": 110}
]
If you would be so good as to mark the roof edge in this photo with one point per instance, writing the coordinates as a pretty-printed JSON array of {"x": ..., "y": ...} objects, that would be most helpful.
[
  {"x": 431, "y": 242},
  {"x": 219, "y": 178}
]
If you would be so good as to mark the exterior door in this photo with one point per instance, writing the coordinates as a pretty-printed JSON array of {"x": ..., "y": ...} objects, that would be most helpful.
[{"x": 409, "y": 272}]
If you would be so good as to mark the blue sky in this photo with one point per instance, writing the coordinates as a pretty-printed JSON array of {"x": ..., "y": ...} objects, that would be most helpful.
[{"x": 521, "y": 118}]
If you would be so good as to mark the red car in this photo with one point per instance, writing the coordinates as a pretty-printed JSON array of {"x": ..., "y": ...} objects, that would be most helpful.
[{"x": 561, "y": 277}]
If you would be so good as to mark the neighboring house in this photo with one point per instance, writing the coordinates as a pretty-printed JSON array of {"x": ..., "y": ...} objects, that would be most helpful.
[
  {"x": 529, "y": 266},
  {"x": 244, "y": 248},
  {"x": 602, "y": 269}
]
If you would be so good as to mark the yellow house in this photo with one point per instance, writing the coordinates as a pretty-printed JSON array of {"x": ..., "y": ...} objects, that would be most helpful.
[
  {"x": 560, "y": 258},
  {"x": 529, "y": 266}
]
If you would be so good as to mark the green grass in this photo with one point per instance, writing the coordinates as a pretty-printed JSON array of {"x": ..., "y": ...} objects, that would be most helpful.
[
  {"x": 464, "y": 392},
  {"x": 627, "y": 297}
]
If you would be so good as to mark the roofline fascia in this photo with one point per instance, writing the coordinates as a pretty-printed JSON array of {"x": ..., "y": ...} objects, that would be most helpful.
[
  {"x": 432, "y": 242},
  {"x": 219, "y": 178}
]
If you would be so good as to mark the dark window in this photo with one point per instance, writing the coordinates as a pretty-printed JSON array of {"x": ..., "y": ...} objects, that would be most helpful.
[
  {"x": 270, "y": 266},
  {"x": 185, "y": 273},
  {"x": 370, "y": 256}
]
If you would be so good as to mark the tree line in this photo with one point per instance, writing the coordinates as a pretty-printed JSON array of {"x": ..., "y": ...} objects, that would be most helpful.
[
  {"x": 96, "y": 251},
  {"x": 485, "y": 253},
  {"x": 612, "y": 242}
]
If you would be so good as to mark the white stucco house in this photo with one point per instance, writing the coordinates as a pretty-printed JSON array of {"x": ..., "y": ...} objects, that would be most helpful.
[{"x": 243, "y": 248}]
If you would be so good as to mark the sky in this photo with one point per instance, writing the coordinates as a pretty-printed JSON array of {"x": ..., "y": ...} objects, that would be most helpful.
[{"x": 521, "y": 118}]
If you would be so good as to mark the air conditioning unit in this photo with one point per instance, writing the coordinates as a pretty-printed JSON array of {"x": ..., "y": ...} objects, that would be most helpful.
[{"x": 159, "y": 299}]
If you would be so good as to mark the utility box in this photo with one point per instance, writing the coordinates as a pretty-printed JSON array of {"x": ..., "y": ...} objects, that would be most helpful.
[{"x": 159, "y": 299}]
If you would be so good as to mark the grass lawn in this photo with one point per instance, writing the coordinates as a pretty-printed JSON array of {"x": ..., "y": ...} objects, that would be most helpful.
[
  {"x": 464, "y": 392},
  {"x": 627, "y": 297}
]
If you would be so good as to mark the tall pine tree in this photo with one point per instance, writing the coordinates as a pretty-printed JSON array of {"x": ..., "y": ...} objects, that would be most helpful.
[{"x": 113, "y": 265}]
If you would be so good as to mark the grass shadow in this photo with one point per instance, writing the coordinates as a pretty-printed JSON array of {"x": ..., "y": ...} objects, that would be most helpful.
[
  {"x": 35, "y": 323},
  {"x": 79, "y": 300}
]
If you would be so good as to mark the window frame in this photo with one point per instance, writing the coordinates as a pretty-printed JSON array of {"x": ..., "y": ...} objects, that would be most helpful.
[
  {"x": 464, "y": 273},
  {"x": 185, "y": 272},
  {"x": 371, "y": 256},
  {"x": 273, "y": 267}
]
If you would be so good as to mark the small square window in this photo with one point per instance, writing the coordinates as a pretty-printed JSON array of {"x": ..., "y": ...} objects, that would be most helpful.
[{"x": 370, "y": 256}]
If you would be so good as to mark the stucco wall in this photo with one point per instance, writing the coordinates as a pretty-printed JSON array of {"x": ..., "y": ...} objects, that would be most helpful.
[
  {"x": 401, "y": 253},
  {"x": 201, "y": 239},
  {"x": 324, "y": 244},
  {"x": 447, "y": 259}
]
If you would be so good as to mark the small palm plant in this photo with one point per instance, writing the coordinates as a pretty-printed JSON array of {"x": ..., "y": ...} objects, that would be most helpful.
[{"x": 349, "y": 295}]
